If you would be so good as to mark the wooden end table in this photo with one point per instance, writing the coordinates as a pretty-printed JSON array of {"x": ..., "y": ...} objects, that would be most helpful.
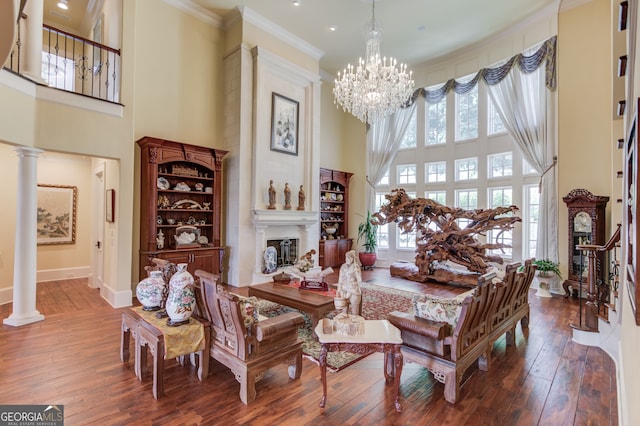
[
  {"x": 152, "y": 336},
  {"x": 380, "y": 336}
]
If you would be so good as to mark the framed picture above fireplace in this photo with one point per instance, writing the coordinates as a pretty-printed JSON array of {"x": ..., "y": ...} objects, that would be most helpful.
[{"x": 284, "y": 124}]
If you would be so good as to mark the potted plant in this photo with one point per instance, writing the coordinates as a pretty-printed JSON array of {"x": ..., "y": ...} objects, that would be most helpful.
[
  {"x": 546, "y": 269},
  {"x": 368, "y": 232}
]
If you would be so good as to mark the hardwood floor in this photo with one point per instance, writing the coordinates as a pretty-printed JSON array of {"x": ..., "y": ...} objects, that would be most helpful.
[{"x": 72, "y": 358}]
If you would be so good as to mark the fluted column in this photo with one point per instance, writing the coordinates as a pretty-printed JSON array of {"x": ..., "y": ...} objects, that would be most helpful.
[
  {"x": 24, "y": 266},
  {"x": 32, "y": 40}
]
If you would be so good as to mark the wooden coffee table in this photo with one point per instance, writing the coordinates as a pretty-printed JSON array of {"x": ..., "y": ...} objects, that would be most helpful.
[{"x": 314, "y": 304}]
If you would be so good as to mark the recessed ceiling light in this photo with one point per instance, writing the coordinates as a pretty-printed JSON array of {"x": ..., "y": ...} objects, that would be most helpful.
[
  {"x": 332, "y": 28},
  {"x": 62, "y": 4},
  {"x": 296, "y": 2}
]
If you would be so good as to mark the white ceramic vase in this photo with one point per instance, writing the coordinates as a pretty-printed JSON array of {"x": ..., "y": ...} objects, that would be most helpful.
[
  {"x": 149, "y": 291},
  {"x": 181, "y": 299}
]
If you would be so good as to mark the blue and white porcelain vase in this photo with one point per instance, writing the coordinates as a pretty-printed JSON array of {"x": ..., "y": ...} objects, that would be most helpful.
[
  {"x": 149, "y": 291},
  {"x": 181, "y": 299}
]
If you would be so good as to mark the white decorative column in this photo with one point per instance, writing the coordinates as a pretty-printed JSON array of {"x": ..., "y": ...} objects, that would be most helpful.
[
  {"x": 31, "y": 49},
  {"x": 24, "y": 267}
]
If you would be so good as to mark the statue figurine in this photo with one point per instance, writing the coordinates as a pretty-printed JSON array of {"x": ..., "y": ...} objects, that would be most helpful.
[
  {"x": 301, "y": 198},
  {"x": 272, "y": 196},
  {"x": 160, "y": 240},
  {"x": 349, "y": 281},
  {"x": 287, "y": 197}
]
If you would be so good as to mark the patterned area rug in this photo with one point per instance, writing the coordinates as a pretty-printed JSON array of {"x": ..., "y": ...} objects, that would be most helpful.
[{"x": 377, "y": 302}]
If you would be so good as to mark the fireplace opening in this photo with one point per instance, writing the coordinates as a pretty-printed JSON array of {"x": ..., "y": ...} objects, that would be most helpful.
[{"x": 286, "y": 249}]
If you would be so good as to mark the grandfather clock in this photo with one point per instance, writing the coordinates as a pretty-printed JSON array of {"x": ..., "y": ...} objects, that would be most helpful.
[{"x": 586, "y": 226}]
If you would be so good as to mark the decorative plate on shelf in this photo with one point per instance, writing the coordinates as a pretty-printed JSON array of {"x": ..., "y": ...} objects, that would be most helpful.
[
  {"x": 163, "y": 183},
  {"x": 203, "y": 239}
]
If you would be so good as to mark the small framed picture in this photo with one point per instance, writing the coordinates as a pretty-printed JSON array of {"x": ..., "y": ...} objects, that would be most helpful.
[
  {"x": 109, "y": 205},
  {"x": 284, "y": 124}
]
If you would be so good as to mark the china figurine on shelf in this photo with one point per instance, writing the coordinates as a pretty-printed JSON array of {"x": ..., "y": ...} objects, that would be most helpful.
[
  {"x": 181, "y": 299},
  {"x": 149, "y": 291}
]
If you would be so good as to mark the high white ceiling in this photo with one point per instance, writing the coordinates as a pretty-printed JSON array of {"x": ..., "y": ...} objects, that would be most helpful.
[{"x": 413, "y": 30}]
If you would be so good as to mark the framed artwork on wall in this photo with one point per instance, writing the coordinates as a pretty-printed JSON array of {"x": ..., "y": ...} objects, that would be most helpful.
[
  {"x": 284, "y": 124},
  {"x": 109, "y": 205},
  {"x": 56, "y": 219}
]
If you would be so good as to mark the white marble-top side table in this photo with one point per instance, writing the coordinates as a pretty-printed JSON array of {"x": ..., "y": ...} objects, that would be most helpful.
[{"x": 379, "y": 336}]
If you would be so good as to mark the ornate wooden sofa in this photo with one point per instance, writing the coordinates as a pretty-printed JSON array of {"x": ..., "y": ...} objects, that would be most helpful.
[
  {"x": 448, "y": 349},
  {"x": 243, "y": 344}
]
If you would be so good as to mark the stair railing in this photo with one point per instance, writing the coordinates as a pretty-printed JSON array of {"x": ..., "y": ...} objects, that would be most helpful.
[{"x": 598, "y": 293}]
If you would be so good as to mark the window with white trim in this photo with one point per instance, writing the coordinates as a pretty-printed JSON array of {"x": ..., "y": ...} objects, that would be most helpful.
[
  {"x": 436, "y": 123},
  {"x": 500, "y": 197},
  {"x": 530, "y": 217},
  {"x": 435, "y": 172},
  {"x": 406, "y": 174},
  {"x": 495, "y": 122},
  {"x": 406, "y": 240},
  {"x": 493, "y": 165},
  {"x": 439, "y": 196},
  {"x": 385, "y": 179},
  {"x": 500, "y": 165},
  {"x": 383, "y": 230},
  {"x": 409, "y": 139},
  {"x": 466, "y": 199},
  {"x": 467, "y": 169},
  {"x": 467, "y": 115}
]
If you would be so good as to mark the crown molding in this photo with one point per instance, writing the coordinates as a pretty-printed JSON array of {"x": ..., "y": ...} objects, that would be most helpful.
[
  {"x": 198, "y": 11},
  {"x": 280, "y": 33}
]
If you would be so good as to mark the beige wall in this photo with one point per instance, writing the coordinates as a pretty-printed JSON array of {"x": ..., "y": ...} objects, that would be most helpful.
[
  {"x": 176, "y": 87},
  {"x": 584, "y": 112},
  {"x": 69, "y": 171},
  {"x": 9, "y": 167},
  {"x": 629, "y": 367}
]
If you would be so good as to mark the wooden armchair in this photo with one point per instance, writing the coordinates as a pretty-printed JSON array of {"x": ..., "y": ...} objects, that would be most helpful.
[{"x": 244, "y": 345}]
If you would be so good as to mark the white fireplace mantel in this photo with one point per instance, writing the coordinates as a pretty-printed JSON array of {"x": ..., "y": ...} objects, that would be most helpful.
[{"x": 265, "y": 218}]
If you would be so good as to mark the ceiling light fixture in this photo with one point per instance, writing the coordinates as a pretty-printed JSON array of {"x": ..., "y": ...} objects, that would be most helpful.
[
  {"x": 62, "y": 4},
  {"x": 296, "y": 2},
  {"x": 375, "y": 88}
]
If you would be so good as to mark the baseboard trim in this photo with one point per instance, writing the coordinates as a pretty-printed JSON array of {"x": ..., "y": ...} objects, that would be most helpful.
[{"x": 62, "y": 274}]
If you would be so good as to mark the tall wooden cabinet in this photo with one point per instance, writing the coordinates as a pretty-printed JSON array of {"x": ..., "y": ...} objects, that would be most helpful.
[
  {"x": 180, "y": 204},
  {"x": 586, "y": 216},
  {"x": 334, "y": 217}
]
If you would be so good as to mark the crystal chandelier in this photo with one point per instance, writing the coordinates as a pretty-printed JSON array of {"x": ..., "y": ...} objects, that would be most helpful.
[{"x": 375, "y": 88}]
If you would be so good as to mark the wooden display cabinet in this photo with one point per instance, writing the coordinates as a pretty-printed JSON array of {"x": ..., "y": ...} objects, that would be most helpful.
[
  {"x": 180, "y": 204},
  {"x": 586, "y": 215},
  {"x": 334, "y": 218}
]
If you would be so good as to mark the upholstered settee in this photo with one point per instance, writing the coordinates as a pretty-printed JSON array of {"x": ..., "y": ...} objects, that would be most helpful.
[
  {"x": 245, "y": 343},
  {"x": 448, "y": 335}
]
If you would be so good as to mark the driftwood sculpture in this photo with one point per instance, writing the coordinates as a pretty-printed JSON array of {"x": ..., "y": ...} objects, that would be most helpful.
[{"x": 439, "y": 238}]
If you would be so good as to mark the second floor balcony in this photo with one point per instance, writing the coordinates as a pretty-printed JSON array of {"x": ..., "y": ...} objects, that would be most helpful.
[{"x": 64, "y": 60}]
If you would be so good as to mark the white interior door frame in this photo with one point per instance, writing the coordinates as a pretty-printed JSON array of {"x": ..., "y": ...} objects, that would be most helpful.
[{"x": 96, "y": 277}]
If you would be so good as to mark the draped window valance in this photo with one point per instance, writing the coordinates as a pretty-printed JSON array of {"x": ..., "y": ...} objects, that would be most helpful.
[{"x": 527, "y": 64}]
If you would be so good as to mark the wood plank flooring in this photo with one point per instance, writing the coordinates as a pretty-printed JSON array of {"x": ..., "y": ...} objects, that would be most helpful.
[{"x": 72, "y": 358}]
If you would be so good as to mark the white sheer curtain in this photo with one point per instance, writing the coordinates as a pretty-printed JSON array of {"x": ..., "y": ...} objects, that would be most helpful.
[
  {"x": 525, "y": 106},
  {"x": 383, "y": 141}
]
